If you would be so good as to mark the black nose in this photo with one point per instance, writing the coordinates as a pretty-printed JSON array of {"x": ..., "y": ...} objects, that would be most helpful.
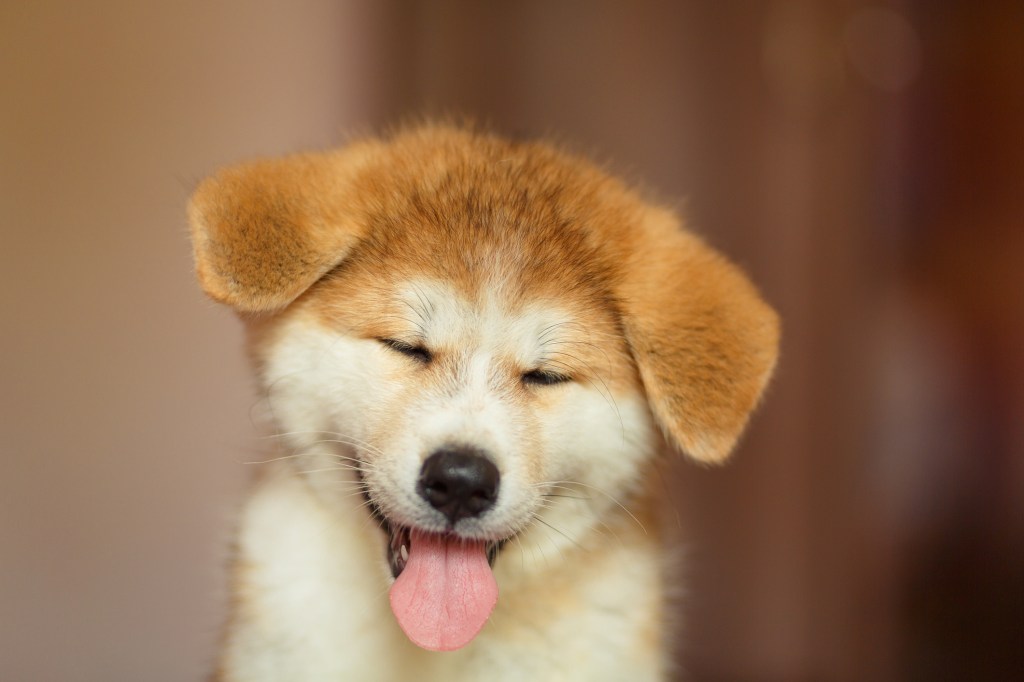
[{"x": 459, "y": 483}]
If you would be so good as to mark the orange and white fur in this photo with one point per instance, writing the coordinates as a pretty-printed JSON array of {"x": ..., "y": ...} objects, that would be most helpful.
[{"x": 475, "y": 351}]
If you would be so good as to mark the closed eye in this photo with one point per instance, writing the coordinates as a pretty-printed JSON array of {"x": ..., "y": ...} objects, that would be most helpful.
[
  {"x": 418, "y": 353},
  {"x": 544, "y": 377}
]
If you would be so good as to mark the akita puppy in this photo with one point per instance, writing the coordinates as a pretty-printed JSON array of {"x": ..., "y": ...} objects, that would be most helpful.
[{"x": 474, "y": 351}]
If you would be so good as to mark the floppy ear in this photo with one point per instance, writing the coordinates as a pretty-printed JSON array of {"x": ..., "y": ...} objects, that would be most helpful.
[
  {"x": 703, "y": 340},
  {"x": 263, "y": 232}
]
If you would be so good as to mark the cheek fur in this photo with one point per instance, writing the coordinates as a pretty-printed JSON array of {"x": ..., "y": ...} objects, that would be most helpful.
[
  {"x": 323, "y": 389},
  {"x": 598, "y": 437}
]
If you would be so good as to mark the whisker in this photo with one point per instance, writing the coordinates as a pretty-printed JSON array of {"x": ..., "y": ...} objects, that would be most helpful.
[
  {"x": 344, "y": 439},
  {"x": 323, "y": 469},
  {"x": 352, "y": 441},
  {"x": 283, "y": 457},
  {"x": 621, "y": 506},
  {"x": 545, "y": 523}
]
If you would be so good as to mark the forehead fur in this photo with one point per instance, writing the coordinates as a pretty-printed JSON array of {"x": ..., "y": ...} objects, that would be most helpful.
[{"x": 480, "y": 211}]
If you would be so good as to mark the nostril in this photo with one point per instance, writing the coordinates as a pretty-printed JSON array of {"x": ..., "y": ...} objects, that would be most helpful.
[
  {"x": 459, "y": 482},
  {"x": 437, "y": 488},
  {"x": 435, "y": 492}
]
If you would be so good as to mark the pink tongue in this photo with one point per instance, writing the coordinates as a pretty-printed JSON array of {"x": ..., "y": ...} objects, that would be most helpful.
[{"x": 446, "y": 592}]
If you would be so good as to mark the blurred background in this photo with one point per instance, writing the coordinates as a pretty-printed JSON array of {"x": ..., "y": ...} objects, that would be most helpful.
[{"x": 864, "y": 161}]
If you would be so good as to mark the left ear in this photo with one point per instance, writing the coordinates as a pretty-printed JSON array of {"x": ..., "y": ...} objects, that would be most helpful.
[
  {"x": 264, "y": 232},
  {"x": 704, "y": 341}
]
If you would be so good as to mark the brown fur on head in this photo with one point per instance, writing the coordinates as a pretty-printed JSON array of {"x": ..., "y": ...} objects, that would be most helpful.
[{"x": 702, "y": 340}]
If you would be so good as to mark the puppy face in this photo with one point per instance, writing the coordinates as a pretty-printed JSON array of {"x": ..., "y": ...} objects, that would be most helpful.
[
  {"x": 543, "y": 389},
  {"x": 467, "y": 331}
]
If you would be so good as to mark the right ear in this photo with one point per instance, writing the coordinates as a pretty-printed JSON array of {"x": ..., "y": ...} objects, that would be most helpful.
[
  {"x": 264, "y": 232},
  {"x": 703, "y": 339}
]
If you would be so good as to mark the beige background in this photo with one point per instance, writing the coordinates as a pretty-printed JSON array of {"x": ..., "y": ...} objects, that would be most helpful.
[{"x": 862, "y": 161}]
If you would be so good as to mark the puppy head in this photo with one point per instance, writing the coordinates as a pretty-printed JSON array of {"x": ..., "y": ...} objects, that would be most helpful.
[
  {"x": 448, "y": 311},
  {"x": 702, "y": 339}
]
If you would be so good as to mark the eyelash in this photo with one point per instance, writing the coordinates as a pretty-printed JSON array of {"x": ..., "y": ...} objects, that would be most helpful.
[
  {"x": 536, "y": 377},
  {"x": 418, "y": 353},
  {"x": 542, "y": 377}
]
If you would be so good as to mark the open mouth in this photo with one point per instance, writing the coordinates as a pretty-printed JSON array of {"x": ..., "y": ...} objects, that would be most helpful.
[
  {"x": 444, "y": 589},
  {"x": 400, "y": 541}
]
